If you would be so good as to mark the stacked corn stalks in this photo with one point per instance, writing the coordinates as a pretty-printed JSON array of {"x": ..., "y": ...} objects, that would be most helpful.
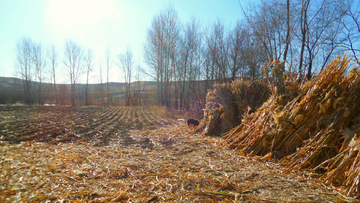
[
  {"x": 226, "y": 104},
  {"x": 316, "y": 129}
]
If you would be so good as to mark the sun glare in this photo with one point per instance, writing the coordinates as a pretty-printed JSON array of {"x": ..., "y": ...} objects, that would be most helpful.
[{"x": 69, "y": 14}]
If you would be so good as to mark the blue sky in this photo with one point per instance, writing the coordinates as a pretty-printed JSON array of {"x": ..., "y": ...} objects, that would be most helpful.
[{"x": 96, "y": 24}]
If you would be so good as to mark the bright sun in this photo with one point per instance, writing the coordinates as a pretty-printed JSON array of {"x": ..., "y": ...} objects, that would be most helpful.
[{"x": 69, "y": 14}]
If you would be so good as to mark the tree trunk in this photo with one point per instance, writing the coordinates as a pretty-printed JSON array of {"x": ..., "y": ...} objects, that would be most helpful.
[
  {"x": 86, "y": 90},
  {"x": 303, "y": 39},
  {"x": 288, "y": 29},
  {"x": 55, "y": 89}
]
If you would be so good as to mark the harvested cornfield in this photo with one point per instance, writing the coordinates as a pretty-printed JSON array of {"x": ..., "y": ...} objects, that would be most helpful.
[
  {"x": 226, "y": 104},
  {"x": 161, "y": 161},
  {"x": 133, "y": 154},
  {"x": 317, "y": 129}
]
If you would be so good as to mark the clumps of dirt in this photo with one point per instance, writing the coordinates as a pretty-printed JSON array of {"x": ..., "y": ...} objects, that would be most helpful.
[{"x": 55, "y": 124}]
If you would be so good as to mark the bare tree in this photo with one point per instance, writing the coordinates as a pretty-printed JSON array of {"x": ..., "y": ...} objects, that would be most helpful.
[
  {"x": 24, "y": 64},
  {"x": 270, "y": 26},
  {"x": 288, "y": 30},
  {"x": 252, "y": 55},
  {"x": 304, "y": 30},
  {"x": 108, "y": 67},
  {"x": 140, "y": 86},
  {"x": 126, "y": 65},
  {"x": 39, "y": 59},
  {"x": 320, "y": 27},
  {"x": 189, "y": 62},
  {"x": 53, "y": 57},
  {"x": 270, "y": 29},
  {"x": 88, "y": 59},
  {"x": 101, "y": 88},
  {"x": 236, "y": 38},
  {"x": 311, "y": 27},
  {"x": 153, "y": 55},
  {"x": 218, "y": 50},
  {"x": 73, "y": 60},
  {"x": 351, "y": 25},
  {"x": 160, "y": 49},
  {"x": 63, "y": 94}
]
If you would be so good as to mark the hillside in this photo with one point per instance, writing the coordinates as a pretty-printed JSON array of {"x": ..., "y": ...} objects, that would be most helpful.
[
  {"x": 11, "y": 82},
  {"x": 11, "y": 90}
]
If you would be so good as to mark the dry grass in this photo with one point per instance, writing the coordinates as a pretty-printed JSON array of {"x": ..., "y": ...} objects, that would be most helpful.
[{"x": 161, "y": 111}]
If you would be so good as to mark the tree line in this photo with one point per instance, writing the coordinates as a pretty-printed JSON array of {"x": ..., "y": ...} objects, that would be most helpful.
[
  {"x": 36, "y": 63},
  {"x": 185, "y": 59}
]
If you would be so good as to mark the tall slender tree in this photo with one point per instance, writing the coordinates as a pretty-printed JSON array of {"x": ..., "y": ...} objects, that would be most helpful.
[
  {"x": 126, "y": 65},
  {"x": 73, "y": 60},
  {"x": 101, "y": 88},
  {"x": 108, "y": 67},
  {"x": 189, "y": 62},
  {"x": 235, "y": 41},
  {"x": 160, "y": 49},
  {"x": 89, "y": 65},
  {"x": 25, "y": 67},
  {"x": 53, "y": 57},
  {"x": 218, "y": 50},
  {"x": 39, "y": 59},
  {"x": 351, "y": 31}
]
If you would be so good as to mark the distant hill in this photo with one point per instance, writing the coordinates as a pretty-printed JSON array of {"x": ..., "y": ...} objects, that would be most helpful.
[
  {"x": 16, "y": 83},
  {"x": 10, "y": 82},
  {"x": 11, "y": 90}
]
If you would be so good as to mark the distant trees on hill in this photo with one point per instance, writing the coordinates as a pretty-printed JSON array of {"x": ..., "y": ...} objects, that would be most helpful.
[
  {"x": 185, "y": 59},
  {"x": 126, "y": 65},
  {"x": 305, "y": 34},
  {"x": 30, "y": 63}
]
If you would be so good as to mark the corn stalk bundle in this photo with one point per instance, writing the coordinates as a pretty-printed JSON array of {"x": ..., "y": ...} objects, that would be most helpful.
[
  {"x": 226, "y": 104},
  {"x": 316, "y": 129}
]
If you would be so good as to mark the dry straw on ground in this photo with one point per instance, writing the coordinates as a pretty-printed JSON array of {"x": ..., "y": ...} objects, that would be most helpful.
[
  {"x": 315, "y": 126},
  {"x": 128, "y": 154},
  {"x": 171, "y": 165}
]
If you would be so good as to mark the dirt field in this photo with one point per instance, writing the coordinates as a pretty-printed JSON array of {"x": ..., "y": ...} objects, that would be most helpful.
[{"x": 134, "y": 154}]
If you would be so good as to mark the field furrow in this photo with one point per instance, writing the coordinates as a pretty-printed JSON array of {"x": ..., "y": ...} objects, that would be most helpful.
[
  {"x": 123, "y": 154},
  {"x": 67, "y": 124}
]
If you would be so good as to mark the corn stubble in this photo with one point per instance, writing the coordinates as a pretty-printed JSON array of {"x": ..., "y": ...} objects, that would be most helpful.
[{"x": 313, "y": 126}]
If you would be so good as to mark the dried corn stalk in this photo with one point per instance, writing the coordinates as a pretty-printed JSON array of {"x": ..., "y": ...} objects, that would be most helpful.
[
  {"x": 226, "y": 104},
  {"x": 316, "y": 129}
]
